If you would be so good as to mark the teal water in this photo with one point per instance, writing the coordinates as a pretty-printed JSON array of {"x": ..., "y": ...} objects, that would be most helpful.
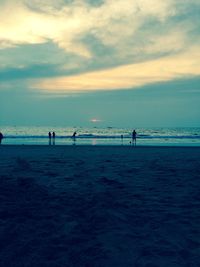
[{"x": 101, "y": 136}]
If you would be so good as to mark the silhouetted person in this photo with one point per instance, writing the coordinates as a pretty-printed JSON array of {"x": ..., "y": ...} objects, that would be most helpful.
[
  {"x": 1, "y": 137},
  {"x": 74, "y": 135},
  {"x": 54, "y": 136},
  {"x": 49, "y": 138},
  {"x": 134, "y": 136}
]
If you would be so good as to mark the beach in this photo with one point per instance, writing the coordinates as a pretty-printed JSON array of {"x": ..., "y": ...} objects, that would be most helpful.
[{"x": 99, "y": 206}]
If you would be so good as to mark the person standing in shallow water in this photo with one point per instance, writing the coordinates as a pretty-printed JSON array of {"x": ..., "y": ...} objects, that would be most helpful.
[
  {"x": 134, "y": 136},
  {"x": 1, "y": 137},
  {"x": 54, "y": 136},
  {"x": 49, "y": 138},
  {"x": 74, "y": 137}
]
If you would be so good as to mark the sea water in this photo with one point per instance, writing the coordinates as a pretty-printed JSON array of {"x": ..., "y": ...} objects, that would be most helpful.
[{"x": 100, "y": 136}]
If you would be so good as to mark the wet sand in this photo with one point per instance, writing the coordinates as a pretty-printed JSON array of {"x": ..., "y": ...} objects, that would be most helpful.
[{"x": 99, "y": 206}]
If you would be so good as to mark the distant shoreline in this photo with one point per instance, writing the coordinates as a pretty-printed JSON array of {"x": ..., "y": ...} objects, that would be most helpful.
[{"x": 102, "y": 146}]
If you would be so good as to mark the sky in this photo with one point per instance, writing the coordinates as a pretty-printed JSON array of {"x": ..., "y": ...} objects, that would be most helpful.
[{"x": 123, "y": 63}]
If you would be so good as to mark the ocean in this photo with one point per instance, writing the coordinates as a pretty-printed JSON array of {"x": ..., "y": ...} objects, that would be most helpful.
[{"x": 101, "y": 136}]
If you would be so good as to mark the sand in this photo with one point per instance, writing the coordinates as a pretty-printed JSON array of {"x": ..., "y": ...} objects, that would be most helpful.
[{"x": 93, "y": 206}]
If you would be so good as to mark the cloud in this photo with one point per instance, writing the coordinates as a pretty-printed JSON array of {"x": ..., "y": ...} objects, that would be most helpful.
[
  {"x": 67, "y": 23},
  {"x": 168, "y": 68},
  {"x": 129, "y": 40},
  {"x": 33, "y": 71}
]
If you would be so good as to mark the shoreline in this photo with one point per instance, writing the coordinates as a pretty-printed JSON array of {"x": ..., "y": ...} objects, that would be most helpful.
[{"x": 102, "y": 146}]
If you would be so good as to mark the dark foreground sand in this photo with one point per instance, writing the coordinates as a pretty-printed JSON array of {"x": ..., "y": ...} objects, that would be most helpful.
[{"x": 99, "y": 206}]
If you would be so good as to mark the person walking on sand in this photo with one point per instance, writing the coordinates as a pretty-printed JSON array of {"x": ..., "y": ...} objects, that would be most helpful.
[
  {"x": 134, "y": 135},
  {"x": 1, "y": 137}
]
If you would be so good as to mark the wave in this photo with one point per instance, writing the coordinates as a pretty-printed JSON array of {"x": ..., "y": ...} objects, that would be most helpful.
[{"x": 92, "y": 136}]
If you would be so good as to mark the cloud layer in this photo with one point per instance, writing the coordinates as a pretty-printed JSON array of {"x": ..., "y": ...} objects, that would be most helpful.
[
  {"x": 68, "y": 24},
  {"x": 130, "y": 41},
  {"x": 129, "y": 76}
]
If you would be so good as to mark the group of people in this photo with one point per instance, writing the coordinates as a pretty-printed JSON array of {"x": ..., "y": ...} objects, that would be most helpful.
[
  {"x": 52, "y": 136},
  {"x": 134, "y": 136}
]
